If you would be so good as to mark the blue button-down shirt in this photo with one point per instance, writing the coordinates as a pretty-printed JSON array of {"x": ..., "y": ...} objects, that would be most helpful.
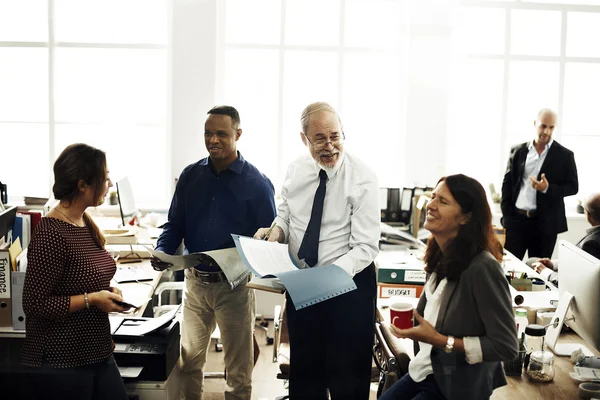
[{"x": 208, "y": 207}]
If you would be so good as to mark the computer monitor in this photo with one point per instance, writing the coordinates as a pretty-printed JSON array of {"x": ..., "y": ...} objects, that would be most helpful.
[
  {"x": 127, "y": 205},
  {"x": 7, "y": 220},
  {"x": 579, "y": 276}
]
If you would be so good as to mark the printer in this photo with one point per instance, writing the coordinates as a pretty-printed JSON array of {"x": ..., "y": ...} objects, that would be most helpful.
[{"x": 149, "y": 356}]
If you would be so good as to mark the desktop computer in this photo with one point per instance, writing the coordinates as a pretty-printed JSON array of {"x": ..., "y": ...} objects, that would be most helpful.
[{"x": 579, "y": 304}]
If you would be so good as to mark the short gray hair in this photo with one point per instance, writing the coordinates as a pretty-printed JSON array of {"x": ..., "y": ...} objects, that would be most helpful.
[{"x": 313, "y": 108}]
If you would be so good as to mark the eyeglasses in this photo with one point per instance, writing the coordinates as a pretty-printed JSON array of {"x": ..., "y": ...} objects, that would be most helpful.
[{"x": 321, "y": 142}]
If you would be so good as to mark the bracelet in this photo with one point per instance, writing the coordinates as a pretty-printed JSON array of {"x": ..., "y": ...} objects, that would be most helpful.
[{"x": 87, "y": 300}]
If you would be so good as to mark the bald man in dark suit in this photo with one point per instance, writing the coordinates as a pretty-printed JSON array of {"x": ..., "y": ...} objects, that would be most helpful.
[{"x": 539, "y": 175}]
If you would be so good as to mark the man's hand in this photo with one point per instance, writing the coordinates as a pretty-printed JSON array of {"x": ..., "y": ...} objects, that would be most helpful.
[
  {"x": 424, "y": 332},
  {"x": 159, "y": 265},
  {"x": 541, "y": 264},
  {"x": 276, "y": 234},
  {"x": 540, "y": 185}
]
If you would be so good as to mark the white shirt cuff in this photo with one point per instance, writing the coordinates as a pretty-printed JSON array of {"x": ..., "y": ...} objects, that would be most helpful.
[
  {"x": 473, "y": 352},
  {"x": 346, "y": 264},
  {"x": 546, "y": 272},
  {"x": 284, "y": 227}
]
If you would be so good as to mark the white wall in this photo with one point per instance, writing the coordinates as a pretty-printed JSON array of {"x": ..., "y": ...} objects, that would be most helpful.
[{"x": 193, "y": 41}]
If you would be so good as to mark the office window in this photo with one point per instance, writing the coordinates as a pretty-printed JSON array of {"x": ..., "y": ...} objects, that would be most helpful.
[
  {"x": 92, "y": 71},
  {"x": 546, "y": 56},
  {"x": 345, "y": 52}
]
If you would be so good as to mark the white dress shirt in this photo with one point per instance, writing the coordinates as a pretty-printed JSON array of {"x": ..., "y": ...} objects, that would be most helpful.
[
  {"x": 420, "y": 366},
  {"x": 350, "y": 226},
  {"x": 527, "y": 194}
]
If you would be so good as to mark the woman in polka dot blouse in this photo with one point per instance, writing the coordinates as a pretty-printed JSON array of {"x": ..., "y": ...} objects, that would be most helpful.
[{"x": 67, "y": 294}]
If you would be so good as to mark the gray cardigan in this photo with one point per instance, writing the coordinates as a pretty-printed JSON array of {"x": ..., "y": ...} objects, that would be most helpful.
[{"x": 477, "y": 304}]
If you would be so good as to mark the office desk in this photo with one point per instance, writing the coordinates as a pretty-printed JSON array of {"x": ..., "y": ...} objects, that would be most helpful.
[
  {"x": 562, "y": 387},
  {"x": 11, "y": 340}
]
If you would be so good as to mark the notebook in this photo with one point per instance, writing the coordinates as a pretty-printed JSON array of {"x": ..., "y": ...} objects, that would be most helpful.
[{"x": 306, "y": 286}]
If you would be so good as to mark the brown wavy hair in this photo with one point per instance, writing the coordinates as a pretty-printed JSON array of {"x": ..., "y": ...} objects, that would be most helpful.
[
  {"x": 474, "y": 237},
  {"x": 80, "y": 162}
]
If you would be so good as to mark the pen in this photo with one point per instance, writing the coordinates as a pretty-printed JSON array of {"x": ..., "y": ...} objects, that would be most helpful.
[{"x": 273, "y": 225}]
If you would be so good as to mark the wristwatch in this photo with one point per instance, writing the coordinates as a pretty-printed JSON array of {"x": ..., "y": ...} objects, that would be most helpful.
[{"x": 449, "y": 344}]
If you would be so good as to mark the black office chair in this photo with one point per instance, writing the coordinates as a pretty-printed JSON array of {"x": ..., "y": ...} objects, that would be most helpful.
[{"x": 389, "y": 356}]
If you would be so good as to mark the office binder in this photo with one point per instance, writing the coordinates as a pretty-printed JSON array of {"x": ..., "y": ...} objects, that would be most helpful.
[
  {"x": 406, "y": 205},
  {"x": 306, "y": 286},
  {"x": 5, "y": 296},
  {"x": 383, "y": 204},
  {"x": 18, "y": 315},
  {"x": 393, "y": 205},
  {"x": 400, "y": 290}
]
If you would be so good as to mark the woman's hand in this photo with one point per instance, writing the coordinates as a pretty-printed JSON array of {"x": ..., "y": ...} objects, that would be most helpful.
[
  {"x": 424, "y": 332},
  {"x": 105, "y": 301},
  {"x": 116, "y": 291}
]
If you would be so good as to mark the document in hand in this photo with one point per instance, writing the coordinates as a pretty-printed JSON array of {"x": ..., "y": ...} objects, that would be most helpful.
[
  {"x": 227, "y": 259},
  {"x": 306, "y": 286}
]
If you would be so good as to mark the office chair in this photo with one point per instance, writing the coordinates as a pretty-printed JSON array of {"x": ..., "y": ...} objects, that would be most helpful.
[
  {"x": 389, "y": 356},
  {"x": 281, "y": 345}
]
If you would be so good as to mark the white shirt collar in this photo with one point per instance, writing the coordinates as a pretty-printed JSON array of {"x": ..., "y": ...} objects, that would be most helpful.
[{"x": 531, "y": 146}]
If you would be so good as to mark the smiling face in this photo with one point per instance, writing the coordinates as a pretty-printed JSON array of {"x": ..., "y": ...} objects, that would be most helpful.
[
  {"x": 444, "y": 214},
  {"x": 324, "y": 125},
  {"x": 220, "y": 137}
]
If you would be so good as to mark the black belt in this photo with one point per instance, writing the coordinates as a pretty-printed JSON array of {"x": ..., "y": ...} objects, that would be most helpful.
[
  {"x": 209, "y": 277},
  {"x": 527, "y": 213}
]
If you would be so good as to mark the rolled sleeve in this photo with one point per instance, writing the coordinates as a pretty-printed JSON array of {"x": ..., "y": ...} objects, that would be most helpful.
[
  {"x": 492, "y": 297},
  {"x": 473, "y": 352},
  {"x": 365, "y": 229}
]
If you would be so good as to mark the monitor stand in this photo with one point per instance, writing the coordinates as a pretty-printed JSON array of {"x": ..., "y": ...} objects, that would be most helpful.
[{"x": 553, "y": 331}]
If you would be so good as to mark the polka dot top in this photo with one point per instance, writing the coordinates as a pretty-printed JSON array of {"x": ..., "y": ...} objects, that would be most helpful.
[{"x": 62, "y": 261}]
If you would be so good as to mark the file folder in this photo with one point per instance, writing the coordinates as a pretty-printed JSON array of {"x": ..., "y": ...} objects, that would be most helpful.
[
  {"x": 18, "y": 315},
  {"x": 5, "y": 298}
]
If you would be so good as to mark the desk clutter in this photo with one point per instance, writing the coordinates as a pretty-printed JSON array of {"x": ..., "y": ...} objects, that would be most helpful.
[{"x": 400, "y": 274}]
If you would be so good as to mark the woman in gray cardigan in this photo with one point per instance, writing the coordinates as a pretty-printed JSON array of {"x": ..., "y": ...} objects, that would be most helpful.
[{"x": 464, "y": 322}]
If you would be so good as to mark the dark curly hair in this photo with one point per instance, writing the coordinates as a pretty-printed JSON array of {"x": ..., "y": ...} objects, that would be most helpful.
[{"x": 474, "y": 237}]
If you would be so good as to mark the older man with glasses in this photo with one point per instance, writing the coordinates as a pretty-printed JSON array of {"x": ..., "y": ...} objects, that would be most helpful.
[{"x": 330, "y": 215}]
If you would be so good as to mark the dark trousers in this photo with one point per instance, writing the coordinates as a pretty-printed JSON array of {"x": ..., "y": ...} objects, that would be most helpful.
[
  {"x": 523, "y": 234},
  {"x": 408, "y": 389},
  {"x": 99, "y": 381},
  {"x": 330, "y": 344}
]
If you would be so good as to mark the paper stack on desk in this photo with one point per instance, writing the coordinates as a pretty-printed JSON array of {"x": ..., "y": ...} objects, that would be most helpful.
[
  {"x": 119, "y": 236},
  {"x": 306, "y": 286}
]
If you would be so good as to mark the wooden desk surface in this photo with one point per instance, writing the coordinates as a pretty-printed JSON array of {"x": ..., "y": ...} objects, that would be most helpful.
[{"x": 562, "y": 387}]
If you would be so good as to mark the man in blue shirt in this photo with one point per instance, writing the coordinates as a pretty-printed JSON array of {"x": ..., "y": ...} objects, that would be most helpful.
[{"x": 214, "y": 197}]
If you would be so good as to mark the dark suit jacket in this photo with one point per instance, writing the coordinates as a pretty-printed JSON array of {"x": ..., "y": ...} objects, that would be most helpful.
[
  {"x": 561, "y": 172},
  {"x": 476, "y": 305},
  {"x": 591, "y": 242}
]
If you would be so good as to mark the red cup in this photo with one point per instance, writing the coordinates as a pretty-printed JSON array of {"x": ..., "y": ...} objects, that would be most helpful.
[{"x": 402, "y": 315}]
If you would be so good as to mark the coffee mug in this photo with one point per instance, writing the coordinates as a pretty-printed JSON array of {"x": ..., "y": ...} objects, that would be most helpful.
[{"x": 402, "y": 315}]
